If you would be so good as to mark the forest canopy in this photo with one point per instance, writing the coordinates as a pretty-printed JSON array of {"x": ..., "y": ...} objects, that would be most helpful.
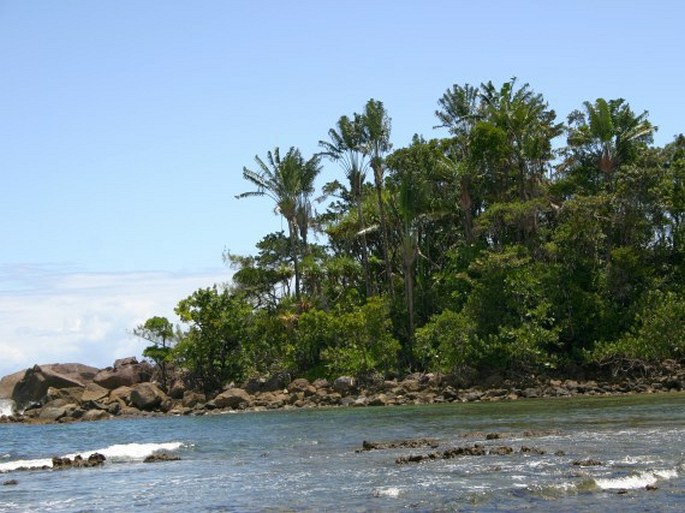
[{"x": 518, "y": 244}]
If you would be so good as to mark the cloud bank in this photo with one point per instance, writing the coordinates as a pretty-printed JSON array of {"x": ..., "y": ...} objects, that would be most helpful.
[{"x": 51, "y": 314}]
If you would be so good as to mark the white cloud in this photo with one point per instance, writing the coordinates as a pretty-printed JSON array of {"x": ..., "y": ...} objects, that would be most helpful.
[{"x": 50, "y": 315}]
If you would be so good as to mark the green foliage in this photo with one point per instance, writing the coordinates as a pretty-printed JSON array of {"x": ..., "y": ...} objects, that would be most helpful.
[
  {"x": 218, "y": 327},
  {"x": 447, "y": 343},
  {"x": 355, "y": 340},
  {"x": 494, "y": 250},
  {"x": 657, "y": 334},
  {"x": 160, "y": 332}
]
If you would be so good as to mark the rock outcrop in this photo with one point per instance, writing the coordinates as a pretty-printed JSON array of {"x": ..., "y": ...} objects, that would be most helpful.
[
  {"x": 36, "y": 382},
  {"x": 125, "y": 373},
  {"x": 235, "y": 398},
  {"x": 148, "y": 397}
]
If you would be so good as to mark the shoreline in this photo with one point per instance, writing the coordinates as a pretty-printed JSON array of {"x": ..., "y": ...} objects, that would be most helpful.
[{"x": 146, "y": 399}]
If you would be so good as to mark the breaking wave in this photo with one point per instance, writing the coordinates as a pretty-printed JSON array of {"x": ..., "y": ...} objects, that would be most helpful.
[
  {"x": 636, "y": 481},
  {"x": 119, "y": 453},
  {"x": 6, "y": 407}
]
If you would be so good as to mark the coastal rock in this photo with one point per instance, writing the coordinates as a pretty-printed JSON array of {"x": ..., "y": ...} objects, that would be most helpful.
[
  {"x": 275, "y": 383},
  {"x": 192, "y": 398},
  {"x": 302, "y": 385},
  {"x": 344, "y": 384},
  {"x": 7, "y": 384},
  {"x": 126, "y": 372},
  {"x": 94, "y": 392},
  {"x": 147, "y": 397},
  {"x": 161, "y": 456},
  {"x": 235, "y": 398},
  {"x": 92, "y": 415},
  {"x": 590, "y": 462},
  {"x": 94, "y": 460},
  {"x": 414, "y": 443},
  {"x": 410, "y": 385},
  {"x": 35, "y": 384},
  {"x": 54, "y": 413},
  {"x": 121, "y": 395},
  {"x": 177, "y": 389},
  {"x": 68, "y": 395}
]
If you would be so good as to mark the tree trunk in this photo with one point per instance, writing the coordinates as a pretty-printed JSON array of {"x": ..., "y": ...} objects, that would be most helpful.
[
  {"x": 292, "y": 228},
  {"x": 378, "y": 178}
]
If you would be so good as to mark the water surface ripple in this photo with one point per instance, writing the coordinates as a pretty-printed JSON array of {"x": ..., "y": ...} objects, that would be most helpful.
[{"x": 600, "y": 454}]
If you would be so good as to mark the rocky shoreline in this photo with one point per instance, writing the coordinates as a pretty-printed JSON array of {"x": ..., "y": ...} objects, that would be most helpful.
[{"x": 74, "y": 392}]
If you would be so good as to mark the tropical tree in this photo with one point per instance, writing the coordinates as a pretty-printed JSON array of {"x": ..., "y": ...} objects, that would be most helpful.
[
  {"x": 289, "y": 182},
  {"x": 603, "y": 136},
  {"x": 211, "y": 349},
  {"x": 347, "y": 147},
  {"x": 377, "y": 131},
  {"x": 160, "y": 332}
]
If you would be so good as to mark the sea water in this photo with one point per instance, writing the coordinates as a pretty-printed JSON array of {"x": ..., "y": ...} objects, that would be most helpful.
[{"x": 307, "y": 460}]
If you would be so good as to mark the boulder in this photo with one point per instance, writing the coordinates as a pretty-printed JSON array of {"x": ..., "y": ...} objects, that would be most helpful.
[
  {"x": 177, "y": 389},
  {"x": 123, "y": 362},
  {"x": 161, "y": 456},
  {"x": 35, "y": 384},
  {"x": 95, "y": 415},
  {"x": 52, "y": 413},
  {"x": 235, "y": 398},
  {"x": 83, "y": 374},
  {"x": 70, "y": 394},
  {"x": 7, "y": 384},
  {"x": 121, "y": 395},
  {"x": 147, "y": 397},
  {"x": 94, "y": 460},
  {"x": 301, "y": 385},
  {"x": 94, "y": 392},
  {"x": 192, "y": 398},
  {"x": 411, "y": 385},
  {"x": 344, "y": 384},
  {"x": 276, "y": 382},
  {"x": 126, "y": 372}
]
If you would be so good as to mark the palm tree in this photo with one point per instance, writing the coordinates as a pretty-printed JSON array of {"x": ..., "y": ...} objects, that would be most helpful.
[
  {"x": 610, "y": 132},
  {"x": 346, "y": 146},
  {"x": 377, "y": 131},
  {"x": 289, "y": 182}
]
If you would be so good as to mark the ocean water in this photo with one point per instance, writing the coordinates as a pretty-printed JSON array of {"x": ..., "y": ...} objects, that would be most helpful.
[{"x": 306, "y": 460}]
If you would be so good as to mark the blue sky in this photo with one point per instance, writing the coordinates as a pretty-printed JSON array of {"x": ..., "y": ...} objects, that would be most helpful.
[{"x": 124, "y": 127}]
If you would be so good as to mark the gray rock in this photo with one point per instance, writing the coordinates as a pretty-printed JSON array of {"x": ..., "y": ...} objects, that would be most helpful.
[
  {"x": 35, "y": 384},
  {"x": 302, "y": 385},
  {"x": 235, "y": 398},
  {"x": 147, "y": 397},
  {"x": 344, "y": 384},
  {"x": 92, "y": 415},
  {"x": 192, "y": 398},
  {"x": 125, "y": 374}
]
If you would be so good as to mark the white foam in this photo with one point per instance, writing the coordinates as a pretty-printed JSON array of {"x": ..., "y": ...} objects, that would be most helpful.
[
  {"x": 114, "y": 454},
  {"x": 636, "y": 481},
  {"x": 25, "y": 464},
  {"x": 6, "y": 407},
  {"x": 391, "y": 491},
  {"x": 133, "y": 451}
]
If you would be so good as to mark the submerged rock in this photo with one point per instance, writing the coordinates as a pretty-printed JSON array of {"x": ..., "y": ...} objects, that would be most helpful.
[
  {"x": 94, "y": 460},
  {"x": 587, "y": 463},
  {"x": 401, "y": 444},
  {"x": 161, "y": 456}
]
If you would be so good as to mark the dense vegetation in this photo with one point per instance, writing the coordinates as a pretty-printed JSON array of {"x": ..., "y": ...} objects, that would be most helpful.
[{"x": 516, "y": 245}]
